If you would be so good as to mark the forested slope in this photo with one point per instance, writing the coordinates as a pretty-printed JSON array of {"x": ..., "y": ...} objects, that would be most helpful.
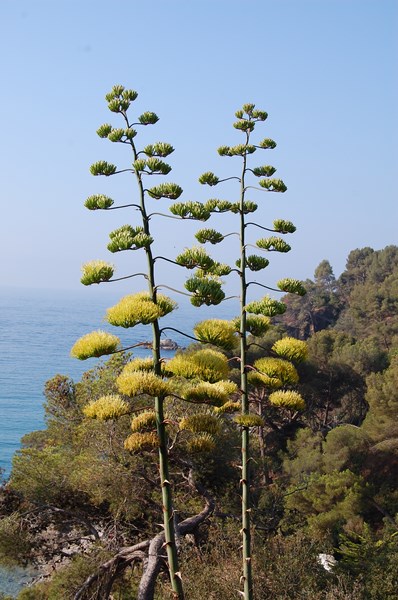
[{"x": 323, "y": 478}]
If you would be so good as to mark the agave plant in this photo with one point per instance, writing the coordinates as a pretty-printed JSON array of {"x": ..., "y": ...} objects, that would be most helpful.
[
  {"x": 143, "y": 308},
  {"x": 205, "y": 286}
]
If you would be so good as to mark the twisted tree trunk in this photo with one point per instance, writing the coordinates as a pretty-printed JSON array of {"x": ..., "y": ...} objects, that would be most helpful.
[{"x": 152, "y": 560}]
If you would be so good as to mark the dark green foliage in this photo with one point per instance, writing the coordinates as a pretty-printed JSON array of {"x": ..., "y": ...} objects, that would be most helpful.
[
  {"x": 67, "y": 580},
  {"x": 318, "y": 309},
  {"x": 15, "y": 541},
  {"x": 363, "y": 302},
  {"x": 43, "y": 475},
  {"x": 328, "y": 502},
  {"x": 382, "y": 397},
  {"x": 373, "y": 559}
]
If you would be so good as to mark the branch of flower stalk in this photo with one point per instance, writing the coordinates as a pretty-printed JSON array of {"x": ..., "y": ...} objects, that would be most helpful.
[
  {"x": 227, "y": 179},
  {"x": 127, "y": 348},
  {"x": 180, "y": 332},
  {"x": 174, "y": 441},
  {"x": 264, "y": 286},
  {"x": 124, "y": 206},
  {"x": 258, "y": 346},
  {"x": 232, "y": 233},
  {"x": 167, "y": 287},
  {"x": 126, "y": 277},
  {"x": 173, "y": 262},
  {"x": 262, "y": 227},
  {"x": 124, "y": 171},
  {"x": 262, "y": 249},
  {"x": 177, "y": 397},
  {"x": 259, "y": 189},
  {"x": 168, "y": 216},
  {"x": 238, "y": 359}
]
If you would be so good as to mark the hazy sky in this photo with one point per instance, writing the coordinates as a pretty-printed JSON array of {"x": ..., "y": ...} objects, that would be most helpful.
[{"x": 324, "y": 70}]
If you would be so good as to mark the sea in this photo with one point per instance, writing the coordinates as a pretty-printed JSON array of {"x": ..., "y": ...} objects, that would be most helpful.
[{"x": 37, "y": 330}]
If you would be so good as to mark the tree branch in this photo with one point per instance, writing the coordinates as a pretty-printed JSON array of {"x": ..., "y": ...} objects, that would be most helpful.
[{"x": 152, "y": 561}]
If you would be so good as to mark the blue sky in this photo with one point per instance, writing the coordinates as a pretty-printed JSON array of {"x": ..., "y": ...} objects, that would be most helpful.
[{"x": 324, "y": 70}]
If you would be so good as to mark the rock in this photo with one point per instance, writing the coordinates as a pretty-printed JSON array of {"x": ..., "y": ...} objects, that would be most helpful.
[
  {"x": 327, "y": 561},
  {"x": 166, "y": 344}
]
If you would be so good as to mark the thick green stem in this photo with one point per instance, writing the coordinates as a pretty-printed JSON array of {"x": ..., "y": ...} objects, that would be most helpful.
[
  {"x": 167, "y": 501},
  {"x": 168, "y": 512},
  {"x": 245, "y": 481}
]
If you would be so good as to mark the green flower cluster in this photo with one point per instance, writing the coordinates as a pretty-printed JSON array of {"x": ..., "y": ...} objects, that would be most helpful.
[{"x": 96, "y": 271}]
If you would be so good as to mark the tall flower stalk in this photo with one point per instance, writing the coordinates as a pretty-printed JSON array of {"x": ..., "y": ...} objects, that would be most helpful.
[
  {"x": 144, "y": 308},
  {"x": 254, "y": 316}
]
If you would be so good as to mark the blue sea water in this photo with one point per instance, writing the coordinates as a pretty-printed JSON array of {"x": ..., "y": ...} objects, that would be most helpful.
[{"x": 37, "y": 331}]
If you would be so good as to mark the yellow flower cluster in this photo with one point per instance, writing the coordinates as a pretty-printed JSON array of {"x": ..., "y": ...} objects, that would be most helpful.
[
  {"x": 268, "y": 307},
  {"x": 138, "y": 441},
  {"x": 145, "y": 420},
  {"x": 210, "y": 393},
  {"x": 208, "y": 365},
  {"x": 139, "y": 308},
  {"x": 257, "y": 325},
  {"x": 262, "y": 380},
  {"x": 133, "y": 383},
  {"x": 141, "y": 364},
  {"x": 249, "y": 420},
  {"x": 200, "y": 423},
  {"x": 94, "y": 344},
  {"x": 277, "y": 368},
  {"x": 96, "y": 271},
  {"x": 204, "y": 442},
  {"x": 287, "y": 399},
  {"x": 228, "y": 407},
  {"x": 107, "y": 407},
  {"x": 218, "y": 332},
  {"x": 291, "y": 349}
]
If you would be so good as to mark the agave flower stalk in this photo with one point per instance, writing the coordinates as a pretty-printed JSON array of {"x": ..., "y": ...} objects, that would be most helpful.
[
  {"x": 145, "y": 308},
  {"x": 263, "y": 309},
  {"x": 245, "y": 480},
  {"x": 168, "y": 512}
]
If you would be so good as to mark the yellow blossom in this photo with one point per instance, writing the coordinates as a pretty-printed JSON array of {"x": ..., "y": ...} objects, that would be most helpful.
[
  {"x": 139, "y": 308},
  {"x": 218, "y": 332},
  {"x": 94, "y": 344},
  {"x": 133, "y": 383},
  {"x": 287, "y": 399},
  {"x": 277, "y": 368},
  {"x": 209, "y": 365},
  {"x": 138, "y": 441},
  {"x": 145, "y": 420},
  {"x": 204, "y": 442},
  {"x": 107, "y": 407},
  {"x": 200, "y": 423},
  {"x": 291, "y": 349}
]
